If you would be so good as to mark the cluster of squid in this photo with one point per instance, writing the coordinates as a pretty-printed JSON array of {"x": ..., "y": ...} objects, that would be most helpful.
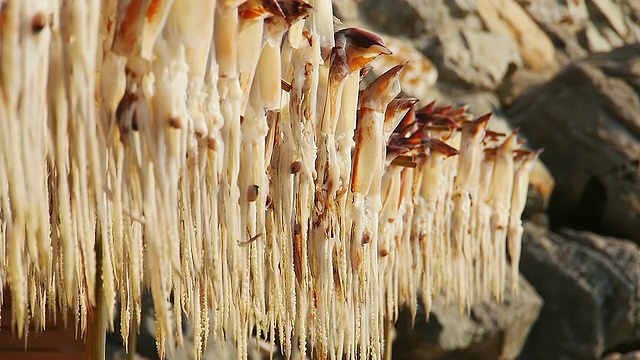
[{"x": 238, "y": 159}]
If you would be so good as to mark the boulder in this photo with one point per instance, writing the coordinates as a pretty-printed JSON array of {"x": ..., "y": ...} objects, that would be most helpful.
[
  {"x": 477, "y": 59},
  {"x": 409, "y": 18},
  {"x": 593, "y": 40},
  {"x": 552, "y": 12},
  {"x": 613, "y": 14},
  {"x": 460, "y": 8},
  {"x": 587, "y": 119},
  {"x": 508, "y": 18},
  {"x": 346, "y": 10},
  {"x": 579, "y": 27},
  {"x": 521, "y": 81},
  {"x": 491, "y": 331},
  {"x": 492, "y": 55},
  {"x": 591, "y": 290}
]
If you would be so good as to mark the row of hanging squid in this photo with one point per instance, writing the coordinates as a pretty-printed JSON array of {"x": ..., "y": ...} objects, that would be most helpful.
[{"x": 238, "y": 159}]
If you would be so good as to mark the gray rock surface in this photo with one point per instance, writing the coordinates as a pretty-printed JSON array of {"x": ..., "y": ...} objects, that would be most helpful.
[
  {"x": 492, "y": 331},
  {"x": 587, "y": 119},
  {"x": 591, "y": 289},
  {"x": 410, "y": 18},
  {"x": 477, "y": 59}
]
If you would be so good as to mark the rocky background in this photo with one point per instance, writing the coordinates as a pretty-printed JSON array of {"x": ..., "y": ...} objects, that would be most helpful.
[{"x": 567, "y": 73}]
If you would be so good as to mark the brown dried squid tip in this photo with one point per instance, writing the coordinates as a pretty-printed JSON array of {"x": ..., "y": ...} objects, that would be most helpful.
[
  {"x": 483, "y": 120},
  {"x": 444, "y": 122},
  {"x": 40, "y": 21},
  {"x": 386, "y": 80},
  {"x": 363, "y": 39},
  {"x": 297, "y": 229},
  {"x": 397, "y": 149},
  {"x": 404, "y": 161},
  {"x": 478, "y": 125},
  {"x": 415, "y": 138},
  {"x": 459, "y": 111},
  {"x": 408, "y": 118},
  {"x": 250, "y": 241},
  {"x": 426, "y": 109},
  {"x": 525, "y": 153},
  {"x": 407, "y": 129},
  {"x": 443, "y": 110},
  {"x": 175, "y": 122},
  {"x": 493, "y": 135},
  {"x": 273, "y": 7},
  {"x": 361, "y": 48},
  {"x": 511, "y": 142},
  {"x": 367, "y": 237},
  {"x": 443, "y": 117},
  {"x": 294, "y": 10},
  {"x": 490, "y": 151},
  {"x": 296, "y": 166},
  {"x": 396, "y": 107},
  {"x": 125, "y": 104},
  {"x": 440, "y": 147},
  {"x": 438, "y": 128},
  {"x": 284, "y": 85},
  {"x": 256, "y": 9},
  {"x": 365, "y": 71},
  {"x": 252, "y": 193},
  {"x": 403, "y": 103},
  {"x": 200, "y": 133},
  {"x": 212, "y": 144}
]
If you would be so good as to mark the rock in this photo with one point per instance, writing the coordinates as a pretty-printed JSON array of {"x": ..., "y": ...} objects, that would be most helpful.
[
  {"x": 588, "y": 121},
  {"x": 579, "y": 27},
  {"x": 594, "y": 41},
  {"x": 492, "y": 331},
  {"x": 492, "y": 55},
  {"x": 632, "y": 9},
  {"x": 519, "y": 82},
  {"x": 563, "y": 21},
  {"x": 591, "y": 290},
  {"x": 410, "y": 18},
  {"x": 613, "y": 14},
  {"x": 612, "y": 37},
  {"x": 459, "y": 8},
  {"x": 475, "y": 58},
  {"x": 346, "y": 10},
  {"x": 508, "y": 18},
  {"x": 552, "y": 12}
]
